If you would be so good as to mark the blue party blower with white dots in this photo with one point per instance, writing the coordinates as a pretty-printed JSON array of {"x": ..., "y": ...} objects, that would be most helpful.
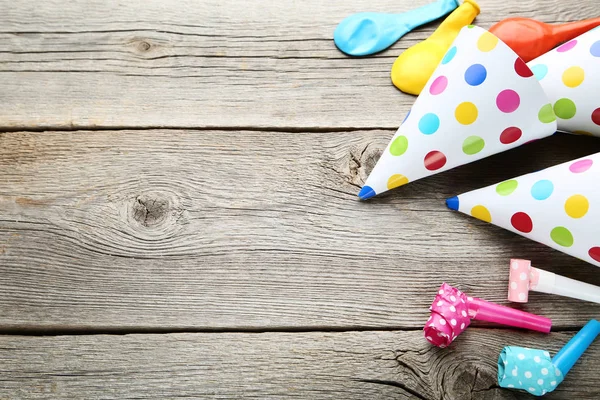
[{"x": 533, "y": 370}]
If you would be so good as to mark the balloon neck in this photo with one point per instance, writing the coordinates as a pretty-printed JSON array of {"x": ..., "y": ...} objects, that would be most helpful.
[
  {"x": 570, "y": 30},
  {"x": 458, "y": 19},
  {"x": 574, "y": 349}
]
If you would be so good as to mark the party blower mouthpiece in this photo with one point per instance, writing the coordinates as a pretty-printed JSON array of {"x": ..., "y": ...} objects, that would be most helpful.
[
  {"x": 452, "y": 312},
  {"x": 481, "y": 100},
  {"x": 523, "y": 277},
  {"x": 532, "y": 370}
]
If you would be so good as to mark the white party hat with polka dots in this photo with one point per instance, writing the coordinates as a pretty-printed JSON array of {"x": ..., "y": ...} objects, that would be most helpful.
[
  {"x": 557, "y": 206},
  {"x": 482, "y": 99},
  {"x": 570, "y": 76}
]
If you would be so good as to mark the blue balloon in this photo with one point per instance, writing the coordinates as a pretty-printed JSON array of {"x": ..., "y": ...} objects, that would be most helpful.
[{"x": 370, "y": 32}]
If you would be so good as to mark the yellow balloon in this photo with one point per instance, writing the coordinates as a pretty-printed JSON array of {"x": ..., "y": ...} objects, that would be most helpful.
[{"x": 413, "y": 68}]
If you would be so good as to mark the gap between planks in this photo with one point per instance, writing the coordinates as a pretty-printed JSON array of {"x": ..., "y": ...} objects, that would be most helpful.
[
  {"x": 257, "y": 128},
  {"x": 78, "y": 331}
]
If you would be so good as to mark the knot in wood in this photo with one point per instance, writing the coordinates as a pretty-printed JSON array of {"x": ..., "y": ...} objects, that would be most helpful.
[
  {"x": 144, "y": 46},
  {"x": 151, "y": 210},
  {"x": 361, "y": 162}
]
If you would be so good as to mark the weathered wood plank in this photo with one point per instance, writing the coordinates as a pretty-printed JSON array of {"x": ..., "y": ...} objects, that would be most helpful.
[
  {"x": 350, "y": 365},
  {"x": 226, "y": 229},
  {"x": 215, "y": 64}
]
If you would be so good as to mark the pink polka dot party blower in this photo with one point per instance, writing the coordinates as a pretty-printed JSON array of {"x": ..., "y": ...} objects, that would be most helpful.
[
  {"x": 569, "y": 76},
  {"x": 557, "y": 206},
  {"x": 452, "y": 312},
  {"x": 532, "y": 370},
  {"x": 481, "y": 100},
  {"x": 524, "y": 277}
]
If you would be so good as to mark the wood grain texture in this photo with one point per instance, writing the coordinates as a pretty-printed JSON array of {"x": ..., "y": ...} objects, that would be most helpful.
[
  {"x": 149, "y": 63},
  {"x": 165, "y": 229},
  {"x": 350, "y": 365}
]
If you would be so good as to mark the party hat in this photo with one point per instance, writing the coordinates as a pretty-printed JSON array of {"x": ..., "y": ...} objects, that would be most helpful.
[
  {"x": 570, "y": 77},
  {"x": 557, "y": 206},
  {"x": 452, "y": 312},
  {"x": 481, "y": 100},
  {"x": 524, "y": 277},
  {"x": 533, "y": 370}
]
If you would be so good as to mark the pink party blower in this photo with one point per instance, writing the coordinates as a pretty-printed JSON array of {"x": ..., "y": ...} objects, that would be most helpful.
[
  {"x": 452, "y": 311},
  {"x": 524, "y": 277}
]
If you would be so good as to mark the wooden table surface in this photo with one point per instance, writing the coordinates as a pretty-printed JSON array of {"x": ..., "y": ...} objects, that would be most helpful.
[{"x": 178, "y": 211}]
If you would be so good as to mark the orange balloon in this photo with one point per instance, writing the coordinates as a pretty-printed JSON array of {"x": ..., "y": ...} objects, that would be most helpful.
[{"x": 530, "y": 38}]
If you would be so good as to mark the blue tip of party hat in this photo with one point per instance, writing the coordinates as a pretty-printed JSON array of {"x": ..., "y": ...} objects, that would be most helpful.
[
  {"x": 366, "y": 193},
  {"x": 570, "y": 353},
  {"x": 452, "y": 203}
]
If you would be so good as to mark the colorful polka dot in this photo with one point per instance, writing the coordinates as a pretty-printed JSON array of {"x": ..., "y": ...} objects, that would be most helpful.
[
  {"x": 541, "y": 190},
  {"x": 595, "y": 49},
  {"x": 449, "y": 55},
  {"x": 540, "y": 71},
  {"x": 596, "y": 116},
  {"x": 487, "y": 42},
  {"x": 573, "y": 77},
  {"x": 577, "y": 206},
  {"x": 399, "y": 146},
  {"x": 510, "y": 135},
  {"x": 429, "y": 124},
  {"x": 506, "y": 188},
  {"x": 508, "y": 101},
  {"x": 565, "y": 108},
  {"x": 438, "y": 85},
  {"x": 473, "y": 145},
  {"x": 466, "y": 113},
  {"x": 522, "y": 222},
  {"x": 522, "y": 69},
  {"x": 482, "y": 213},
  {"x": 581, "y": 166},
  {"x": 435, "y": 160},
  {"x": 546, "y": 114},
  {"x": 562, "y": 236},
  {"x": 594, "y": 252},
  {"x": 567, "y": 46},
  {"x": 396, "y": 180},
  {"x": 475, "y": 75}
]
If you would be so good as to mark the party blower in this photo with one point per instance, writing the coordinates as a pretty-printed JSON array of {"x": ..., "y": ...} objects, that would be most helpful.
[
  {"x": 415, "y": 65},
  {"x": 452, "y": 312},
  {"x": 569, "y": 76},
  {"x": 530, "y": 38},
  {"x": 523, "y": 277},
  {"x": 370, "y": 32},
  {"x": 557, "y": 206},
  {"x": 481, "y": 100},
  {"x": 533, "y": 370}
]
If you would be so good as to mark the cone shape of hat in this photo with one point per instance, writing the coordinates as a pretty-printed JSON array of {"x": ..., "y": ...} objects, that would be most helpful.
[
  {"x": 558, "y": 206},
  {"x": 481, "y": 100},
  {"x": 570, "y": 77}
]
